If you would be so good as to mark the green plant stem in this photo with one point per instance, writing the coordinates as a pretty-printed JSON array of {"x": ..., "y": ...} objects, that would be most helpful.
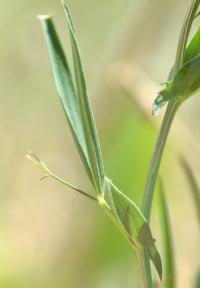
[
  {"x": 156, "y": 158},
  {"x": 151, "y": 180},
  {"x": 145, "y": 269},
  {"x": 169, "y": 115},
  {"x": 167, "y": 122}
]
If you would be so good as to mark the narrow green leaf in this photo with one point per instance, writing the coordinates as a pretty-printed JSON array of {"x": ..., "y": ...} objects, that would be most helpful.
[
  {"x": 193, "y": 184},
  {"x": 85, "y": 109},
  {"x": 132, "y": 222},
  {"x": 36, "y": 160},
  {"x": 192, "y": 50},
  {"x": 184, "y": 85},
  {"x": 187, "y": 80},
  {"x": 76, "y": 105},
  {"x": 169, "y": 278},
  {"x": 66, "y": 90}
]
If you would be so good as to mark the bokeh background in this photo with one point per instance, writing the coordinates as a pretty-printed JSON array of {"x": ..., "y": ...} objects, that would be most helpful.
[{"x": 50, "y": 236}]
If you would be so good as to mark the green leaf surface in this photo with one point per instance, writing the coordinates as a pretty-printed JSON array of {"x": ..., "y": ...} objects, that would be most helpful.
[
  {"x": 65, "y": 87},
  {"x": 76, "y": 104},
  {"x": 89, "y": 127},
  {"x": 192, "y": 50},
  {"x": 169, "y": 277},
  {"x": 186, "y": 82},
  {"x": 184, "y": 85},
  {"x": 132, "y": 222}
]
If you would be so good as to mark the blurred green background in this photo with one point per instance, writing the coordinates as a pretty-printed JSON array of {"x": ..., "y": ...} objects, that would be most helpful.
[{"x": 50, "y": 236}]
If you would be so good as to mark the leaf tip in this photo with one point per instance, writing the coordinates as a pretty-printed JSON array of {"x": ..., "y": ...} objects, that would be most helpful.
[
  {"x": 33, "y": 158},
  {"x": 64, "y": 5},
  {"x": 156, "y": 259},
  {"x": 29, "y": 155},
  {"x": 148, "y": 242},
  {"x": 63, "y": 2},
  {"x": 159, "y": 267},
  {"x": 36, "y": 161},
  {"x": 44, "y": 17}
]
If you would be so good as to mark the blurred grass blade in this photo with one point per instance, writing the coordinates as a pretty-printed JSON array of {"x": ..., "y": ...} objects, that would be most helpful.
[
  {"x": 85, "y": 109},
  {"x": 66, "y": 90},
  {"x": 132, "y": 222},
  {"x": 169, "y": 278},
  {"x": 197, "y": 285},
  {"x": 197, "y": 15},
  {"x": 194, "y": 186}
]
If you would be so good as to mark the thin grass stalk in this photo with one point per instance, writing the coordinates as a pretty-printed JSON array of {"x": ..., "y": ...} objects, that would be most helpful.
[
  {"x": 172, "y": 107},
  {"x": 152, "y": 174},
  {"x": 157, "y": 157},
  {"x": 152, "y": 178},
  {"x": 145, "y": 269}
]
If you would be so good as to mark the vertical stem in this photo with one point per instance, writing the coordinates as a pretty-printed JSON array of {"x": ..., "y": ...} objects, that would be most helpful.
[
  {"x": 145, "y": 269},
  {"x": 160, "y": 144},
  {"x": 169, "y": 115},
  {"x": 157, "y": 157},
  {"x": 151, "y": 180}
]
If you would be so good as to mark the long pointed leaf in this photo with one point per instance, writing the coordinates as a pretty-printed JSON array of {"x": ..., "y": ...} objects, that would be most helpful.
[
  {"x": 169, "y": 278},
  {"x": 66, "y": 90},
  {"x": 132, "y": 223},
  {"x": 86, "y": 112}
]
